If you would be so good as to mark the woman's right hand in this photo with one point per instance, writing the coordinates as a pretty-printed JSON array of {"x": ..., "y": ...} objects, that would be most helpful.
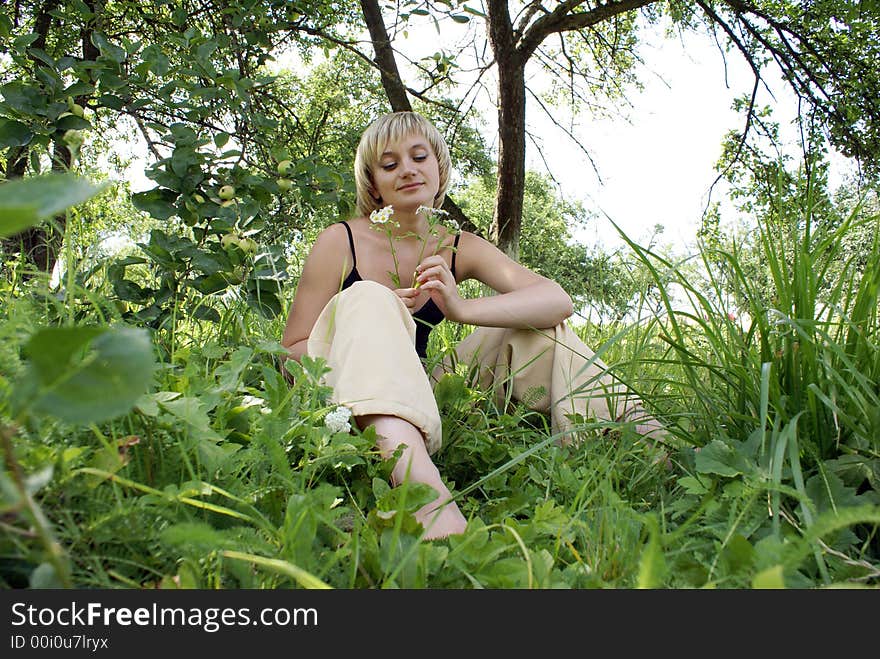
[{"x": 408, "y": 297}]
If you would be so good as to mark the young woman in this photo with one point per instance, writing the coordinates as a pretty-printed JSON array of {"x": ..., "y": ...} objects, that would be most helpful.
[{"x": 366, "y": 301}]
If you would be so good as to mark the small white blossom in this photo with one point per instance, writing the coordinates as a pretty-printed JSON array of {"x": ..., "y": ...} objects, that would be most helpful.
[
  {"x": 338, "y": 420},
  {"x": 430, "y": 210},
  {"x": 382, "y": 215}
]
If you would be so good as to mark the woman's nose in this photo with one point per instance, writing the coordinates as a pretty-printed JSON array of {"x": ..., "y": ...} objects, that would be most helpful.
[{"x": 408, "y": 167}]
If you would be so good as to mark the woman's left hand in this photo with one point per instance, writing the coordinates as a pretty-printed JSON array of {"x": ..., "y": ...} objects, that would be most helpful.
[{"x": 433, "y": 275}]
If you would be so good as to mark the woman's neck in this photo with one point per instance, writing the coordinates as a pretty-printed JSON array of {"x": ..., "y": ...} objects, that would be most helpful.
[{"x": 406, "y": 224}]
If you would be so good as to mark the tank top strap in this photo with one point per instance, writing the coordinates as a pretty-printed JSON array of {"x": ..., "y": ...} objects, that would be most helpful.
[
  {"x": 354, "y": 257},
  {"x": 454, "y": 252}
]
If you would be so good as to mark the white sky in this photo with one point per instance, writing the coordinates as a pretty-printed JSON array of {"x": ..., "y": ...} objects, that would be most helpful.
[{"x": 656, "y": 168}]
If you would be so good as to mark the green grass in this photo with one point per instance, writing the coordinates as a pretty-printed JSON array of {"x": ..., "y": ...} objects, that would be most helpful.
[{"x": 222, "y": 475}]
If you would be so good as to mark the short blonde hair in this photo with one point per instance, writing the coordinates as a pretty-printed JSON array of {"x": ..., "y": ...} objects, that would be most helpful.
[{"x": 393, "y": 127}]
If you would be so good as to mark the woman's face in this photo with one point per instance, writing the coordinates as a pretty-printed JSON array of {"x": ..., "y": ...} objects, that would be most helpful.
[{"x": 407, "y": 174}]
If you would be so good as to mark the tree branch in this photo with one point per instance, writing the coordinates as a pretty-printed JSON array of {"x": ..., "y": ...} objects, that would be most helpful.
[{"x": 561, "y": 20}]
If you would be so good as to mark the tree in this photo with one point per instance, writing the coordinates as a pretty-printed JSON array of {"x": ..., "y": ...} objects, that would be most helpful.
[
  {"x": 178, "y": 70},
  {"x": 823, "y": 48}
]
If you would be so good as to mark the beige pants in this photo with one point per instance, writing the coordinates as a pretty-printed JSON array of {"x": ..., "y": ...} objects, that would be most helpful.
[{"x": 367, "y": 336}]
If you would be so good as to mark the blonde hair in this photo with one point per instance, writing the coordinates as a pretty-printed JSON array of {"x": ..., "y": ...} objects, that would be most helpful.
[{"x": 393, "y": 127}]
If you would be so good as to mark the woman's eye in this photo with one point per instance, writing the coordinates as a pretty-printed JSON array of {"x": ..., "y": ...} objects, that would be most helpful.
[
  {"x": 420, "y": 157},
  {"x": 388, "y": 166}
]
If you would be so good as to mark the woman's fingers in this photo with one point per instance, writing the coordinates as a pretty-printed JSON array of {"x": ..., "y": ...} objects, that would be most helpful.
[
  {"x": 433, "y": 267},
  {"x": 408, "y": 296}
]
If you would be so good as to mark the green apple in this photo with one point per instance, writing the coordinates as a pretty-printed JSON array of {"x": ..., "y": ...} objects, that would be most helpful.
[
  {"x": 229, "y": 240},
  {"x": 75, "y": 108},
  {"x": 226, "y": 192},
  {"x": 284, "y": 184},
  {"x": 199, "y": 198},
  {"x": 248, "y": 245},
  {"x": 284, "y": 166}
]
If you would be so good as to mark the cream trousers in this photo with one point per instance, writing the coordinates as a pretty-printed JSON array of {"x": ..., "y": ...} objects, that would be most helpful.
[{"x": 367, "y": 336}]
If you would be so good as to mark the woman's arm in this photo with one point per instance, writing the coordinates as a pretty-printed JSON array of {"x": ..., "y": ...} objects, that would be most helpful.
[
  {"x": 525, "y": 298},
  {"x": 323, "y": 272}
]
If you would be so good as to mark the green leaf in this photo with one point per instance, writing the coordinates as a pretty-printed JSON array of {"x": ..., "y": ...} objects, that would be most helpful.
[
  {"x": 652, "y": 564},
  {"x": 108, "y": 49},
  {"x": 719, "y": 458},
  {"x": 45, "y": 577},
  {"x": 27, "y": 99},
  {"x": 26, "y": 201},
  {"x": 267, "y": 304},
  {"x": 14, "y": 133},
  {"x": 302, "y": 577},
  {"x": 5, "y": 25},
  {"x": 89, "y": 374},
  {"x": 772, "y": 577},
  {"x": 475, "y": 12},
  {"x": 111, "y": 101},
  {"x": 157, "y": 202},
  {"x": 210, "y": 284},
  {"x": 22, "y": 43},
  {"x": 72, "y": 122},
  {"x": 738, "y": 555}
]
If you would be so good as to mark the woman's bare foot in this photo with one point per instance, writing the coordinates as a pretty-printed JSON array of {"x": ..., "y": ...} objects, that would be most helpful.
[
  {"x": 438, "y": 518},
  {"x": 443, "y": 521}
]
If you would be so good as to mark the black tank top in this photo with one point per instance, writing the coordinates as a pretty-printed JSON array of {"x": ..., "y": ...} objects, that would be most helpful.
[{"x": 427, "y": 316}]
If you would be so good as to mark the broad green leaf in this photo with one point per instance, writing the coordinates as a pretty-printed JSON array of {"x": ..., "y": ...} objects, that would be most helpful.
[
  {"x": 772, "y": 577},
  {"x": 652, "y": 564},
  {"x": 26, "y": 201},
  {"x": 108, "y": 49},
  {"x": 111, "y": 101},
  {"x": 157, "y": 202},
  {"x": 90, "y": 374},
  {"x": 719, "y": 458},
  {"x": 22, "y": 43},
  {"x": 194, "y": 413},
  {"x": 45, "y": 576},
  {"x": 27, "y": 99},
  {"x": 72, "y": 122},
  {"x": 738, "y": 555},
  {"x": 14, "y": 133},
  {"x": 14, "y": 219},
  {"x": 148, "y": 404},
  {"x": 5, "y": 25}
]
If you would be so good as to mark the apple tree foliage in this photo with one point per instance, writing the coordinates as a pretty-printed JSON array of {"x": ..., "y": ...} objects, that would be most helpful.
[{"x": 189, "y": 77}]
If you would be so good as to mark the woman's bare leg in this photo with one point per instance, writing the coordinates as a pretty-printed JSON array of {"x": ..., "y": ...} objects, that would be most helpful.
[{"x": 392, "y": 432}]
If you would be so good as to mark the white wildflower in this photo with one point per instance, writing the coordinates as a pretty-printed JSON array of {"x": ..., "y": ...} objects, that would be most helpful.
[
  {"x": 430, "y": 210},
  {"x": 382, "y": 215},
  {"x": 435, "y": 213},
  {"x": 338, "y": 420}
]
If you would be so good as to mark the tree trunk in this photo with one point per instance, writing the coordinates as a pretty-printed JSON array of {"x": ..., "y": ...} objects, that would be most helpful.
[
  {"x": 507, "y": 217},
  {"x": 385, "y": 62}
]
